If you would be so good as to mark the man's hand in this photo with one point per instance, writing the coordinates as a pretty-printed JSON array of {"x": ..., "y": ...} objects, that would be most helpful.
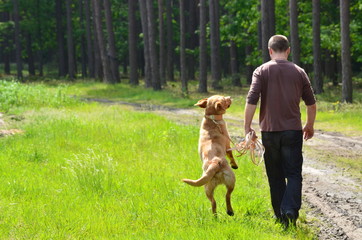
[
  {"x": 249, "y": 129},
  {"x": 308, "y": 132},
  {"x": 248, "y": 117}
]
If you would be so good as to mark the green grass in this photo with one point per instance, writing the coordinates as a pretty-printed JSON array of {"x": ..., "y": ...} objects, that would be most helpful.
[
  {"x": 107, "y": 172},
  {"x": 335, "y": 116},
  {"x": 89, "y": 171}
]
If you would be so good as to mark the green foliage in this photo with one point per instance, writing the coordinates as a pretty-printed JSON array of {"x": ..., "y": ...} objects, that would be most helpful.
[
  {"x": 38, "y": 22},
  {"x": 120, "y": 23},
  {"x": 239, "y": 22},
  {"x": 241, "y": 26},
  {"x": 356, "y": 29}
]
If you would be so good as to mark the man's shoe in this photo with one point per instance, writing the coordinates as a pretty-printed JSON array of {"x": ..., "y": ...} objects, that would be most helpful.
[{"x": 290, "y": 218}]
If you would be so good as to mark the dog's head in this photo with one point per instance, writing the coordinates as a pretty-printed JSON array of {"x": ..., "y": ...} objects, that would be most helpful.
[{"x": 214, "y": 105}]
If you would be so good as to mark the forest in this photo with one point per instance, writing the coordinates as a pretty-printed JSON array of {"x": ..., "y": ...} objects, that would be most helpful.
[{"x": 166, "y": 40}]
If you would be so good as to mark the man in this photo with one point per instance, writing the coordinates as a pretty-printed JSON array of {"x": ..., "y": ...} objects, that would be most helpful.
[{"x": 281, "y": 85}]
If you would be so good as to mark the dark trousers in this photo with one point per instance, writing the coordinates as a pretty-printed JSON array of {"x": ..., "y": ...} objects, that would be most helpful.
[{"x": 283, "y": 161}]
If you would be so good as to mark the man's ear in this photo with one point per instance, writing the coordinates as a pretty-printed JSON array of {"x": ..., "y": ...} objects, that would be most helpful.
[
  {"x": 202, "y": 103},
  {"x": 288, "y": 51}
]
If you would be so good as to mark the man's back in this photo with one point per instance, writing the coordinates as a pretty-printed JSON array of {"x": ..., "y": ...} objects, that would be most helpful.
[{"x": 281, "y": 84}]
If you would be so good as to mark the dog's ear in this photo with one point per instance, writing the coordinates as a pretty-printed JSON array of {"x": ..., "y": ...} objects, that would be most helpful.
[
  {"x": 219, "y": 106},
  {"x": 202, "y": 103},
  {"x": 228, "y": 101}
]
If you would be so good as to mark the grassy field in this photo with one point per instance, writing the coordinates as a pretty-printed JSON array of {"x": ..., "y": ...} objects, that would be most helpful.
[
  {"x": 331, "y": 112},
  {"x": 90, "y": 171}
]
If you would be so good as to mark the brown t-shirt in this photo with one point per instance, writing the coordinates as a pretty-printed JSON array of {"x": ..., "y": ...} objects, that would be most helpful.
[{"x": 281, "y": 85}]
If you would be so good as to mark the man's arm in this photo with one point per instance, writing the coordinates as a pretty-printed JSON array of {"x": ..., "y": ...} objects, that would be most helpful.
[
  {"x": 308, "y": 130},
  {"x": 248, "y": 117}
]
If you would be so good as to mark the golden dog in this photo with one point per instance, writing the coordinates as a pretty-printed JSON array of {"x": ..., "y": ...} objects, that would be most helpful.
[{"x": 214, "y": 143}]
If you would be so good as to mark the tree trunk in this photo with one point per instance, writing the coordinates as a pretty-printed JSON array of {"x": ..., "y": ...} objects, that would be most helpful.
[
  {"x": 234, "y": 65},
  {"x": 19, "y": 62},
  {"x": 62, "y": 71},
  {"x": 107, "y": 75},
  {"x": 82, "y": 40},
  {"x": 90, "y": 53},
  {"x": 203, "y": 48},
  {"x": 170, "y": 48},
  {"x": 191, "y": 40},
  {"x": 98, "y": 70},
  {"x": 317, "y": 65},
  {"x": 155, "y": 71},
  {"x": 5, "y": 46},
  {"x": 6, "y": 58},
  {"x": 70, "y": 44},
  {"x": 225, "y": 61},
  {"x": 146, "y": 48},
  {"x": 260, "y": 35},
  {"x": 347, "y": 90},
  {"x": 29, "y": 49},
  {"x": 294, "y": 34},
  {"x": 271, "y": 15},
  {"x": 112, "y": 54},
  {"x": 39, "y": 36},
  {"x": 132, "y": 42},
  {"x": 215, "y": 44},
  {"x": 249, "y": 68},
  {"x": 331, "y": 68},
  {"x": 265, "y": 33},
  {"x": 183, "y": 48},
  {"x": 162, "y": 42}
]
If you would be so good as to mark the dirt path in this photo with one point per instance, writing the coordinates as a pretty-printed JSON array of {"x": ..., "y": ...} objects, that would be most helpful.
[{"x": 332, "y": 197}]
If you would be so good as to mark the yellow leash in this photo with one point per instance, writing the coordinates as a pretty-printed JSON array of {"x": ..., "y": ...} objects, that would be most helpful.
[
  {"x": 253, "y": 145},
  {"x": 250, "y": 143}
]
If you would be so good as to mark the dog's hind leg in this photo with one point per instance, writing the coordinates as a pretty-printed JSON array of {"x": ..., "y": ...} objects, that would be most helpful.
[
  {"x": 230, "y": 184},
  {"x": 230, "y": 210},
  {"x": 209, "y": 190}
]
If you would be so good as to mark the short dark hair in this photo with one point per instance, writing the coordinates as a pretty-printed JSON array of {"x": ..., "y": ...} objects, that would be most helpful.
[{"x": 278, "y": 43}]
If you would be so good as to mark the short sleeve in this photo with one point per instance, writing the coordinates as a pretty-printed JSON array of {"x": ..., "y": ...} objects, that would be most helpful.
[
  {"x": 255, "y": 88},
  {"x": 307, "y": 94}
]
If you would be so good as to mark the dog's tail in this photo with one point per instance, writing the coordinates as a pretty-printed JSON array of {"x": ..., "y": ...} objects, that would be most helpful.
[{"x": 205, "y": 178}]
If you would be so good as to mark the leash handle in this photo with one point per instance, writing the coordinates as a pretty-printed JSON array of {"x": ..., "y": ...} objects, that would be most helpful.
[{"x": 253, "y": 145}]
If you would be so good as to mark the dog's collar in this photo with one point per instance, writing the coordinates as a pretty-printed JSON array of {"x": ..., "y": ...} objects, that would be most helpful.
[
  {"x": 214, "y": 117},
  {"x": 217, "y": 119}
]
